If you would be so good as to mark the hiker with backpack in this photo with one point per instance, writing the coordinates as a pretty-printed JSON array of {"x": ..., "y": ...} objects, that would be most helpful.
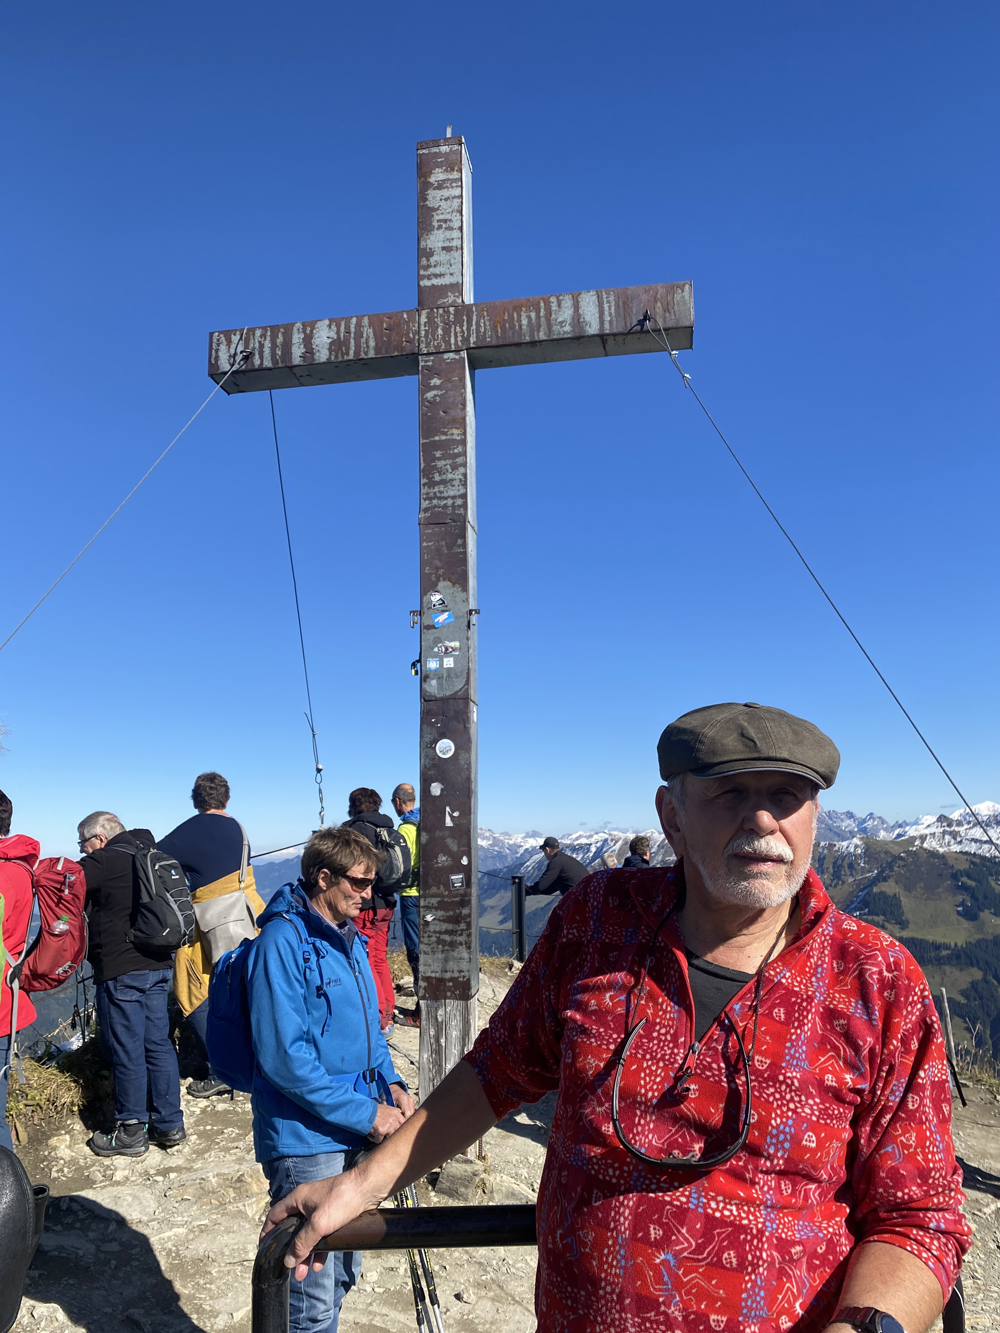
[
  {"x": 394, "y": 869},
  {"x": 214, "y": 852},
  {"x": 15, "y": 914},
  {"x": 133, "y": 981},
  {"x": 294, "y": 1020},
  {"x": 55, "y": 886}
]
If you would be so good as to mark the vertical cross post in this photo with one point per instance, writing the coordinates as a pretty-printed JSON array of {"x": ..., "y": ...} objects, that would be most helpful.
[{"x": 449, "y": 873}]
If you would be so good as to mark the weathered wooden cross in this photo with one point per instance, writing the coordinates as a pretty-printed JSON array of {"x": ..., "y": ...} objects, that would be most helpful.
[{"x": 444, "y": 342}]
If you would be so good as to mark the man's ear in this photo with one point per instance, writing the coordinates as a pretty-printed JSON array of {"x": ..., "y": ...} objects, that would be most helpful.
[{"x": 667, "y": 812}]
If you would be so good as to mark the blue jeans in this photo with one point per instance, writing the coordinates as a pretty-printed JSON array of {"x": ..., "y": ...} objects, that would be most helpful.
[
  {"x": 135, "y": 1033},
  {"x": 314, "y": 1303},
  {"x": 6, "y": 1141},
  {"x": 409, "y": 919}
]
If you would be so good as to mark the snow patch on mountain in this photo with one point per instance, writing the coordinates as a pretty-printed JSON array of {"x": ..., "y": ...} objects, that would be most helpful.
[{"x": 957, "y": 832}]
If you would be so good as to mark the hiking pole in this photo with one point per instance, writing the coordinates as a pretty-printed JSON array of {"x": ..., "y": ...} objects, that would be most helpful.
[
  {"x": 420, "y": 1306},
  {"x": 419, "y": 1300},
  {"x": 410, "y": 1196}
]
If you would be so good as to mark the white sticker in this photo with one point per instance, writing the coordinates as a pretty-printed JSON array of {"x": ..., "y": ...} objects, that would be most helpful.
[
  {"x": 465, "y": 860},
  {"x": 447, "y": 661},
  {"x": 436, "y": 789},
  {"x": 445, "y": 749},
  {"x": 449, "y": 816}
]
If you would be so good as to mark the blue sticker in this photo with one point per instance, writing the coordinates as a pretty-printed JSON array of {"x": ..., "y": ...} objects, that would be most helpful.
[
  {"x": 442, "y": 618},
  {"x": 433, "y": 664}
]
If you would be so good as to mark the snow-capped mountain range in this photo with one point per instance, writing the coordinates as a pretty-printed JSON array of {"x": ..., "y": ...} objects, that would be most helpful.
[{"x": 957, "y": 832}]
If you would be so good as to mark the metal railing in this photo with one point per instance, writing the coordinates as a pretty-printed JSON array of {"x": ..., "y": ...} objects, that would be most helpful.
[
  {"x": 518, "y": 925},
  {"x": 450, "y": 1228}
]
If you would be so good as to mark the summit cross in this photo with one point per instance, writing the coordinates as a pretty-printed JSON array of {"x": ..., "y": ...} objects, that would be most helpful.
[{"x": 444, "y": 341}]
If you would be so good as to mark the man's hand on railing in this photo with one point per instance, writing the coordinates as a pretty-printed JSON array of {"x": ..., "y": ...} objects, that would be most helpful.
[
  {"x": 326, "y": 1206},
  {"x": 455, "y": 1114}
]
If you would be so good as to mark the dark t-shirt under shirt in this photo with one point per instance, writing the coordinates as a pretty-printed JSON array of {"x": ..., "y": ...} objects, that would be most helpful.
[
  {"x": 207, "y": 847},
  {"x": 712, "y": 987}
]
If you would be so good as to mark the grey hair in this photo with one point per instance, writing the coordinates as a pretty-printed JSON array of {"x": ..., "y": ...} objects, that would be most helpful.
[
  {"x": 404, "y": 793},
  {"x": 675, "y": 786},
  {"x": 102, "y": 822}
]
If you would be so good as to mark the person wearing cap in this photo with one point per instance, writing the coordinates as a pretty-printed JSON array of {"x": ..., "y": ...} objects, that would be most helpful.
[
  {"x": 562, "y": 872},
  {"x": 752, "y": 1127}
]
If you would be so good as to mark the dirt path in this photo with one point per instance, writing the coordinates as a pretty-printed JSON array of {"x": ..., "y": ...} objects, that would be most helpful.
[{"x": 164, "y": 1243}]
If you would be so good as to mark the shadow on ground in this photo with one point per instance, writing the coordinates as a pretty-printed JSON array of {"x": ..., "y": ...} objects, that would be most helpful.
[
  {"x": 975, "y": 1178},
  {"x": 102, "y": 1273},
  {"x": 535, "y": 1121}
]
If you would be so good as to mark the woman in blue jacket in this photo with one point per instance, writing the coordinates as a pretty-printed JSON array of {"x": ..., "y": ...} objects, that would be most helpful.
[{"x": 324, "y": 1082}]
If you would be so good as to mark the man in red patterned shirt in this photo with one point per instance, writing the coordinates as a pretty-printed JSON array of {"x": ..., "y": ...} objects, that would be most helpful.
[{"x": 752, "y": 1129}]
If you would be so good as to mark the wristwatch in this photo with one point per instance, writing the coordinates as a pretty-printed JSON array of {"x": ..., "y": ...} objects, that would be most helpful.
[{"x": 866, "y": 1319}]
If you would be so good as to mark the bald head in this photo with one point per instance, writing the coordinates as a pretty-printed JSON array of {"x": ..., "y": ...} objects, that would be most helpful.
[{"x": 404, "y": 798}]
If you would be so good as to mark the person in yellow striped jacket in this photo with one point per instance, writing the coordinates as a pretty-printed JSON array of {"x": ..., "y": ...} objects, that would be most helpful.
[{"x": 404, "y": 802}]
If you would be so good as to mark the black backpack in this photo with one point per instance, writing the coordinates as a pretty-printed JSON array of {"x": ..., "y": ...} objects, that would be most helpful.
[
  {"x": 394, "y": 872},
  {"x": 164, "y": 919}
]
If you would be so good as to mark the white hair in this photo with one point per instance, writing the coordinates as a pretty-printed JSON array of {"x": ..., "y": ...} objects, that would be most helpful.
[{"x": 102, "y": 822}]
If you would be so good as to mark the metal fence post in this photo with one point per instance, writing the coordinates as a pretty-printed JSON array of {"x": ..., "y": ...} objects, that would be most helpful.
[
  {"x": 269, "y": 1282},
  {"x": 518, "y": 930}
]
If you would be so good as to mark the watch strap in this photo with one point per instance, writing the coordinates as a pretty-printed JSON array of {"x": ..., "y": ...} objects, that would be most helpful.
[{"x": 867, "y": 1319}]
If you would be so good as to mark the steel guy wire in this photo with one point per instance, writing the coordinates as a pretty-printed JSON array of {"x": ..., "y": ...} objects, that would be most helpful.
[
  {"x": 298, "y": 614},
  {"x": 647, "y": 322},
  {"x": 238, "y": 360}
]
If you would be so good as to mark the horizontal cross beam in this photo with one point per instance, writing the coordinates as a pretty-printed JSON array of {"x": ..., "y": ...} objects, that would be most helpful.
[{"x": 568, "y": 327}]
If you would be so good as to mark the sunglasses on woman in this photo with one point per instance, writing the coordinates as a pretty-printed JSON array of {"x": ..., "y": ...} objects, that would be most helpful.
[{"x": 360, "y": 882}]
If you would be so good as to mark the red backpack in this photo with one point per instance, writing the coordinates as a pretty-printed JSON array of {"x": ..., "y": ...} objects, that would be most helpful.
[
  {"x": 59, "y": 889},
  {"x": 61, "y": 943}
]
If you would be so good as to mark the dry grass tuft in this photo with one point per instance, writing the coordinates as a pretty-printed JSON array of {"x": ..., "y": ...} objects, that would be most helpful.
[
  {"x": 398, "y": 965},
  {"x": 79, "y": 1081}
]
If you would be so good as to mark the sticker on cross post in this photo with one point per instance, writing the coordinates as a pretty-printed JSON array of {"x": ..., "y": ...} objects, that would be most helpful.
[
  {"x": 447, "y": 662},
  {"x": 457, "y": 881},
  {"x": 449, "y": 817},
  {"x": 436, "y": 789},
  {"x": 437, "y": 601},
  {"x": 442, "y": 618},
  {"x": 433, "y": 664},
  {"x": 445, "y": 749},
  {"x": 447, "y": 647}
]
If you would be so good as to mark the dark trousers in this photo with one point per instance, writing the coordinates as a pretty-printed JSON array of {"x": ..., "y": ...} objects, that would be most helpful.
[
  {"x": 409, "y": 920},
  {"x": 135, "y": 1033},
  {"x": 198, "y": 1020}
]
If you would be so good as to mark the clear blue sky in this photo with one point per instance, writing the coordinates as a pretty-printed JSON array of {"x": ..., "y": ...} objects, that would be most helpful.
[{"x": 826, "y": 174}]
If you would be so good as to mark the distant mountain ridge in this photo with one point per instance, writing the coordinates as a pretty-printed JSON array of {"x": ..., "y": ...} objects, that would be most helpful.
[{"x": 957, "y": 832}]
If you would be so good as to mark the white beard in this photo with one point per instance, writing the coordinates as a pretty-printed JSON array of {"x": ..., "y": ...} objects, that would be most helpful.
[{"x": 737, "y": 884}]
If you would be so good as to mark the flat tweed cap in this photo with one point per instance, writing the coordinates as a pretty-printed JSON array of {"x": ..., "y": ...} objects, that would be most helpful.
[{"x": 739, "y": 738}]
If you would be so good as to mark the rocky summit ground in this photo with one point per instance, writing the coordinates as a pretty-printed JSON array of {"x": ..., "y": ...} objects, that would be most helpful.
[{"x": 165, "y": 1243}]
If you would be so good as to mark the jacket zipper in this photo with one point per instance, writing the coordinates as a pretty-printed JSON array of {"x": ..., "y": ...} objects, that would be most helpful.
[{"x": 361, "y": 997}]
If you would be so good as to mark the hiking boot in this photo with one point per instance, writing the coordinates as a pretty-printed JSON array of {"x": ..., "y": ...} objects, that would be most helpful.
[
  {"x": 208, "y": 1087},
  {"x": 124, "y": 1141},
  {"x": 167, "y": 1138}
]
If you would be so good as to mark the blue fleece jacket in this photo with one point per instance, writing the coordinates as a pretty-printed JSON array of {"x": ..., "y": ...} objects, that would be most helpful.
[{"x": 315, "y": 1028}]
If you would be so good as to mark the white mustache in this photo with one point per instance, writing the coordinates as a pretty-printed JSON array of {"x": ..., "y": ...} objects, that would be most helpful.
[{"x": 749, "y": 844}]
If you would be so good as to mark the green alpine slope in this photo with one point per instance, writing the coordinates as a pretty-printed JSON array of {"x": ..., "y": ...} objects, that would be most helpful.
[{"x": 944, "y": 906}]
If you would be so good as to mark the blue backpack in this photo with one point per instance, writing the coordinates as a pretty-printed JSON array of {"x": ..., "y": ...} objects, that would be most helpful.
[{"x": 228, "y": 1037}]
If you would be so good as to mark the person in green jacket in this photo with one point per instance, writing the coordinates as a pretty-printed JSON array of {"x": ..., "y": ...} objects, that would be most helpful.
[{"x": 404, "y": 802}]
